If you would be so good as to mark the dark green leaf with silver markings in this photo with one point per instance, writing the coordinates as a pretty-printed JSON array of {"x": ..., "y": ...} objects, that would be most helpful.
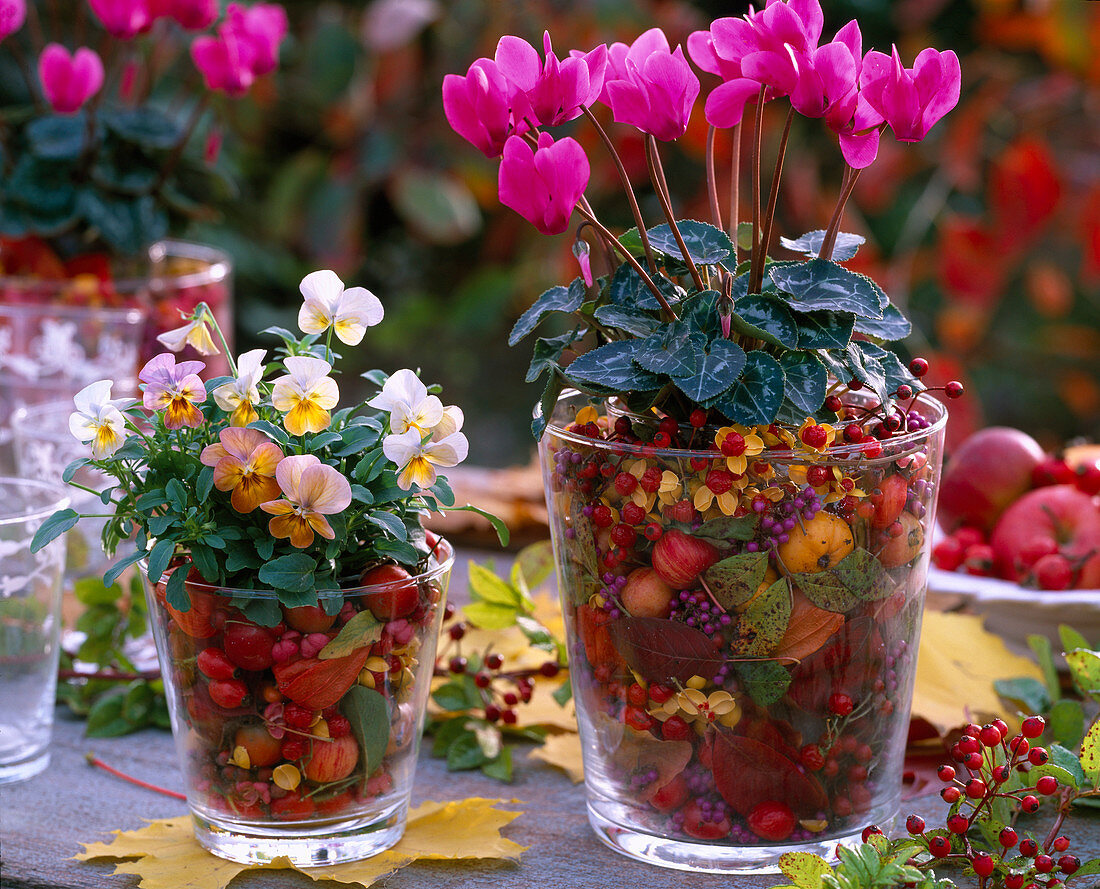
[
  {"x": 556, "y": 299},
  {"x": 820, "y": 284},
  {"x": 755, "y": 398},
  {"x": 719, "y": 368}
]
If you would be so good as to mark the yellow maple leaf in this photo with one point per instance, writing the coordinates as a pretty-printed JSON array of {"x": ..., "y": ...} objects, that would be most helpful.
[
  {"x": 563, "y": 752},
  {"x": 957, "y": 665}
]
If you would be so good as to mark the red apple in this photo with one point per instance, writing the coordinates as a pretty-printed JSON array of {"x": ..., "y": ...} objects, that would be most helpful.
[
  {"x": 1062, "y": 514},
  {"x": 986, "y": 473},
  {"x": 332, "y": 760},
  {"x": 309, "y": 618},
  {"x": 645, "y": 594},
  {"x": 396, "y": 595},
  {"x": 680, "y": 558}
]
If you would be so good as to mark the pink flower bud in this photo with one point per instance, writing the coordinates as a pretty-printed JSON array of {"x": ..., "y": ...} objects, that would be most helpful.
[
  {"x": 12, "y": 15},
  {"x": 69, "y": 81},
  {"x": 213, "y": 147},
  {"x": 582, "y": 252}
]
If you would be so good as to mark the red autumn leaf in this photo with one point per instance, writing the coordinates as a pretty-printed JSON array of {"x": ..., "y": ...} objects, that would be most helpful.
[
  {"x": 1024, "y": 191},
  {"x": 972, "y": 265},
  {"x": 659, "y": 650},
  {"x": 747, "y": 772},
  {"x": 809, "y": 628},
  {"x": 317, "y": 683}
]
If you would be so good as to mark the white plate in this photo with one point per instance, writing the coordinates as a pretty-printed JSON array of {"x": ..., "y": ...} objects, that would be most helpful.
[{"x": 1014, "y": 612}]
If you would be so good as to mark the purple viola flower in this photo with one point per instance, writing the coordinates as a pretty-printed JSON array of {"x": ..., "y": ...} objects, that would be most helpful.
[
  {"x": 484, "y": 108},
  {"x": 557, "y": 91},
  {"x": 543, "y": 185},
  {"x": 911, "y": 100},
  {"x": 175, "y": 389},
  {"x": 657, "y": 89}
]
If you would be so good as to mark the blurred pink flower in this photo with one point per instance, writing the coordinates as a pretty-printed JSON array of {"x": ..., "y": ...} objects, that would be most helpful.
[
  {"x": 556, "y": 90},
  {"x": 543, "y": 186},
  {"x": 12, "y": 14},
  {"x": 222, "y": 63},
  {"x": 911, "y": 100},
  {"x": 484, "y": 108},
  {"x": 192, "y": 15},
  {"x": 658, "y": 89},
  {"x": 68, "y": 81},
  {"x": 260, "y": 29},
  {"x": 123, "y": 18}
]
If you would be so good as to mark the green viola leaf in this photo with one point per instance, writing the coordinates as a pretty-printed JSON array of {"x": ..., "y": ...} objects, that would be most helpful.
[
  {"x": 57, "y": 137},
  {"x": 727, "y": 528},
  {"x": 556, "y": 299},
  {"x": 369, "y": 715},
  {"x": 824, "y": 330},
  {"x": 735, "y": 580},
  {"x": 719, "y": 367},
  {"x": 145, "y": 126},
  {"x": 611, "y": 368},
  {"x": 355, "y": 439},
  {"x": 706, "y": 245},
  {"x": 627, "y": 289},
  {"x": 202, "y": 557},
  {"x": 632, "y": 321},
  {"x": 820, "y": 284},
  {"x": 110, "y": 576},
  {"x": 805, "y": 381},
  {"x": 293, "y": 573},
  {"x": 676, "y": 351},
  {"x": 767, "y": 318},
  {"x": 891, "y": 327},
  {"x": 159, "y": 557},
  {"x": 57, "y": 524},
  {"x": 760, "y": 627},
  {"x": 756, "y": 397},
  {"x": 810, "y": 243},
  {"x": 175, "y": 590},
  {"x": 765, "y": 681}
]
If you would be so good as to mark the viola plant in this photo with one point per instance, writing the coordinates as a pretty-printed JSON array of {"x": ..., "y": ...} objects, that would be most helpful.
[
  {"x": 741, "y": 478},
  {"x": 101, "y": 159},
  {"x": 292, "y": 589}
]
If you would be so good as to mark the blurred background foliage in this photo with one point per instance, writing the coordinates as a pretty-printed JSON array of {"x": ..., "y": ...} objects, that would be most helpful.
[{"x": 989, "y": 231}]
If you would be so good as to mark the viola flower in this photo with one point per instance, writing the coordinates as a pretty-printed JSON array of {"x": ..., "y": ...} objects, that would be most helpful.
[
  {"x": 306, "y": 394},
  {"x": 556, "y": 91},
  {"x": 68, "y": 81},
  {"x": 450, "y": 423},
  {"x": 658, "y": 91},
  {"x": 408, "y": 403},
  {"x": 311, "y": 490},
  {"x": 738, "y": 444},
  {"x": 242, "y": 395},
  {"x": 98, "y": 419},
  {"x": 700, "y": 709},
  {"x": 911, "y": 100},
  {"x": 194, "y": 333},
  {"x": 349, "y": 312},
  {"x": 259, "y": 29},
  {"x": 244, "y": 462},
  {"x": 124, "y": 19},
  {"x": 484, "y": 108},
  {"x": 417, "y": 457},
  {"x": 223, "y": 63},
  {"x": 12, "y": 15},
  {"x": 543, "y": 186},
  {"x": 175, "y": 389}
]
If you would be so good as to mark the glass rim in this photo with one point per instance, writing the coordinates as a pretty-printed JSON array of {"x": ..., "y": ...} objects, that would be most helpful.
[
  {"x": 841, "y": 453},
  {"x": 58, "y": 499},
  {"x": 218, "y": 269},
  {"x": 441, "y": 567}
]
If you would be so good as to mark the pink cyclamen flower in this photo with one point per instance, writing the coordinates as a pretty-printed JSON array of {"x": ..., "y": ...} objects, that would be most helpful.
[
  {"x": 12, "y": 15},
  {"x": 828, "y": 78},
  {"x": 175, "y": 389},
  {"x": 484, "y": 108},
  {"x": 68, "y": 81},
  {"x": 223, "y": 64},
  {"x": 543, "y": 186},
  {"x": 192, "y": 15},
  {"x": 311, "y": 490},
  {"x": 260, "y": 29},
  {"x": 658, "y": 91},
  {"x": 556, "y": 90},
  {"x": 123, "y": 18},
  {"x": 911, "y": 100}
]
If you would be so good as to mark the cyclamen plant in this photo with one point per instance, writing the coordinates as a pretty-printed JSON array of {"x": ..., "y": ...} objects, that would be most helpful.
[
  {"x": 257, "y": 478},
  {"x": 94, "y": 160},
  {"x": 682, "y": 324}
]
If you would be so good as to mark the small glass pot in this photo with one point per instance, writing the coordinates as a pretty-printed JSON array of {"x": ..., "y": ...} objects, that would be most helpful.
[
  {"x": 743, "y": 628},
  {"x": 298, "y": 733}
]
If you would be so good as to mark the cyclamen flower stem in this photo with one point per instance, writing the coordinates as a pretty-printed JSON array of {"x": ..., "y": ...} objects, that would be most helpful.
[
  {"x": 625, "y": 179},
  {"x": 712, "y": 186},
  {"x": 637, "y": 266},
  {"x": 100, "y": 764},
  {"x": 757, "y": 282},
  {"x": 735, "y": 187},
  {"x": 658, "y": 175},
  {"x": 829, "y": 241},
  {"x": 757, "y": 138},
  {"x": 173, "y": 159}
]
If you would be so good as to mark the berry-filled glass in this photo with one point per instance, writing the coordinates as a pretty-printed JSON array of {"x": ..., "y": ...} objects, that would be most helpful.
[
  {"x": 743, "y": 606},
  {"x": 300, "y": 738}
]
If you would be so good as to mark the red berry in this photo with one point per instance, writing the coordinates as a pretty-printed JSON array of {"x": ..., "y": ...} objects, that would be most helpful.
[
  {"x": 905, "y": 391},
  {"x": 951, "y": 794},
  {"x": 1038, "y": 756},
  {"x": 958, "y": 823},
  {"x": 1029, "y": 804},
  {"x": 482, "y": 679},
  {"x": 248, "y": 645},
  {"x": 954, "y": 389},
  {"x": 855, "y": 385},
  {"x": 1019, "y": 745},
  {"x": 1001, "y": 774},
  {"x": 918, "y": 367},
  {"x": 549, "y": 669},
  {"x": 1047, "y": 785},
  {"x": 338, "y": 726},
  {"x": 719, "y": 480},
  {"x": 675, "y": 728},
  {"x": 1002, "y": 727},
  {"x": 772, "y": 820},
  {"x": 625, "y": 483},
  {"x": 653, "y": 531},
  {"x": 294, "y": 748},
  {"x": 817, "y": 476},
  {"x": 1007, "y": 838},
  {"x": 978, "y": 560},
  {"x": 1088, "y": 480},
  {"x": 811, "y": 757},
  {"x": 632, "y": 513},
  {"x": 1069, "y": 864},
  {"x": 733, "y": 445},
  {"x": 914, "y": 824},
  {"x": 1061, "y": 844},
  {"x": 492, "y": 712},
  {"x": 815, "y": 437},
  {"x": 990, "y": 735},
  {"x": 940, "y": 846},
  {"x": 1044, "y": 864},
  {"x": 213, "y": 664},
  {"x": 948, "y": 554},
  {"x": 1052, "y": 471},
  {"x": 659, "y": 693},
  {"x": 840, "y": 704},
  {"x": 982, "y": 864},
  {"x": 622, "y": 426},
  {"x": 871, "y": 830},
  {"x": 853, "y": 433},
  {"x": 494, "y": 660},
  {"x": 975, "y": 788},
  {"x": 968, "y": 744},
  {"x": 636, "y": 695},
  {"x": 1028, "y": 847},
  {"x": 1053, "y": 572},
  {"x": 834, "y": 404},
  {"x": 623, "y": 535},
  {"x": 297, "y": 716},
  {"x": 974, "y": 761},
  {"x": 946, "y": 773},
  {"x": 698, "y": 418},
  {"x": 638, "y": 719},
  {"x": 457, "y": 632},
  {"x": 1033, "y": 726},
  {"x": 651, "y": 480},
  {"x": 602, "y": 516},
  {"x": 1014, "y": 881},
  {"x": 510, "y": 698},
  {"x": 228, "y": 693},
  {"x": 457, "y": 664}
]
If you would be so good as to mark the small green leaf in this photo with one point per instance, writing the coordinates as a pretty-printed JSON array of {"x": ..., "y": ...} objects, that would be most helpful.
[
  {"x": 369, "y": 715},
  {"x": 1044, "y": 654},
  {"x": 1090, "y": 754},
  {"x": 735, "y": 580},
  {"x": 1071, "y": 639},
  {"x": 1067, "y": 722},
  {"x": 112, "y": 574},
  {"x": 556, "y": 299},
  {"x": 563, "y": 693},
  {"x": 490, "y": 616},
  {"x": 362, "y": 630},
  {"x": 765, "y": 681},
  {"x": 501, "y": 767},
  {"x": 761, "y": 626},
  {"x": 93, "y": 591},
  {"x": 454, "y": 696},
  {"x": 293, "y": 573},
  {"x": 105, "y": 719},
  {"x": 810, "y": 243},
  {"x": 176, "y": 590},
  {"x": 1027, "y": 694},
  {"x": 486, "y": 586},
  {"x": 61, "y": 521},
  {"x": 729, "y": 528}
]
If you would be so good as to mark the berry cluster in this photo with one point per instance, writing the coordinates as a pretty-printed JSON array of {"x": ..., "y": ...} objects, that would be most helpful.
[{"x": 777, "y": 522}]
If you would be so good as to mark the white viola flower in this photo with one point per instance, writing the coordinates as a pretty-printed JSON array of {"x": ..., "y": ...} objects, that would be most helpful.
[
  {"x": 194, "y": 333},
  {"x": 417, "y": 457},
  {"x": 98, "y": 419},
  {"x": 349, "y": 312},
  {"x": 242, "y": 395},
  {"x": 306, "y": 395},
  {"x": 406, "y": 399},
  {"x": 450, "y": 423}
]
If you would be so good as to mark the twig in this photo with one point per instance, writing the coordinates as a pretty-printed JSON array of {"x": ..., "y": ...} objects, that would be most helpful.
[
  {"x": 757, "y": 280},
  {"x": 658, "y": 175},
  {"x": 829, "y": 241},
  {"x": 712, "y": 185},
  {"x": 757, "y": 138},
  {"x": 94, "y": 760},
  {"x": 735, "y": 187}
]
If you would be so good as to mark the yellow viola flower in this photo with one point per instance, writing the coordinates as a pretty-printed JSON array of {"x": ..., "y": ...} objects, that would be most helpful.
[
  {"x": 240, "y": 396},
  {"x": 417, "y": 457},
  {"x": 698, "y": 708},
  {"x": 349, "y": 312},
  {"x": 175, "y": 389},
  {"x": 738, "y": 444},
  {"x": 311, "y": 490},
  {"x": 306, "y": 395},
  {"x": 194, "y": 333},
  {"x": 405, "y": 398}
]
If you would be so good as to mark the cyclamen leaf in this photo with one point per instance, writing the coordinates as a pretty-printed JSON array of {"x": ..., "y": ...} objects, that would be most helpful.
[
  {"x": 893, "y": 370},
  {"x": 627, "y": 289},
  {"x": 362, "y": 630},
  {"x": 700, "y": 312},
  {"x": 676, "y": 351},
  {"x": 756, "y": 397},
  {"x": 549, "y": 398},
  {"x": 824, "y": 330},
  {"x": 611, "y": 368},
  {"x": 632, "y": 321},
  {"x": 719, "y": 368},
  {"x": 662, "y": 650},
  {"x": 810, "y": 243},
  {"x": 891, "y": 327},
  {"x": 706, "y": 245},
  {"x": 765, "y": 317},
  {"x": 821, "y": 284},
  {"x": 556, "y": 299},
  {"x": 805, "y": 381}
]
